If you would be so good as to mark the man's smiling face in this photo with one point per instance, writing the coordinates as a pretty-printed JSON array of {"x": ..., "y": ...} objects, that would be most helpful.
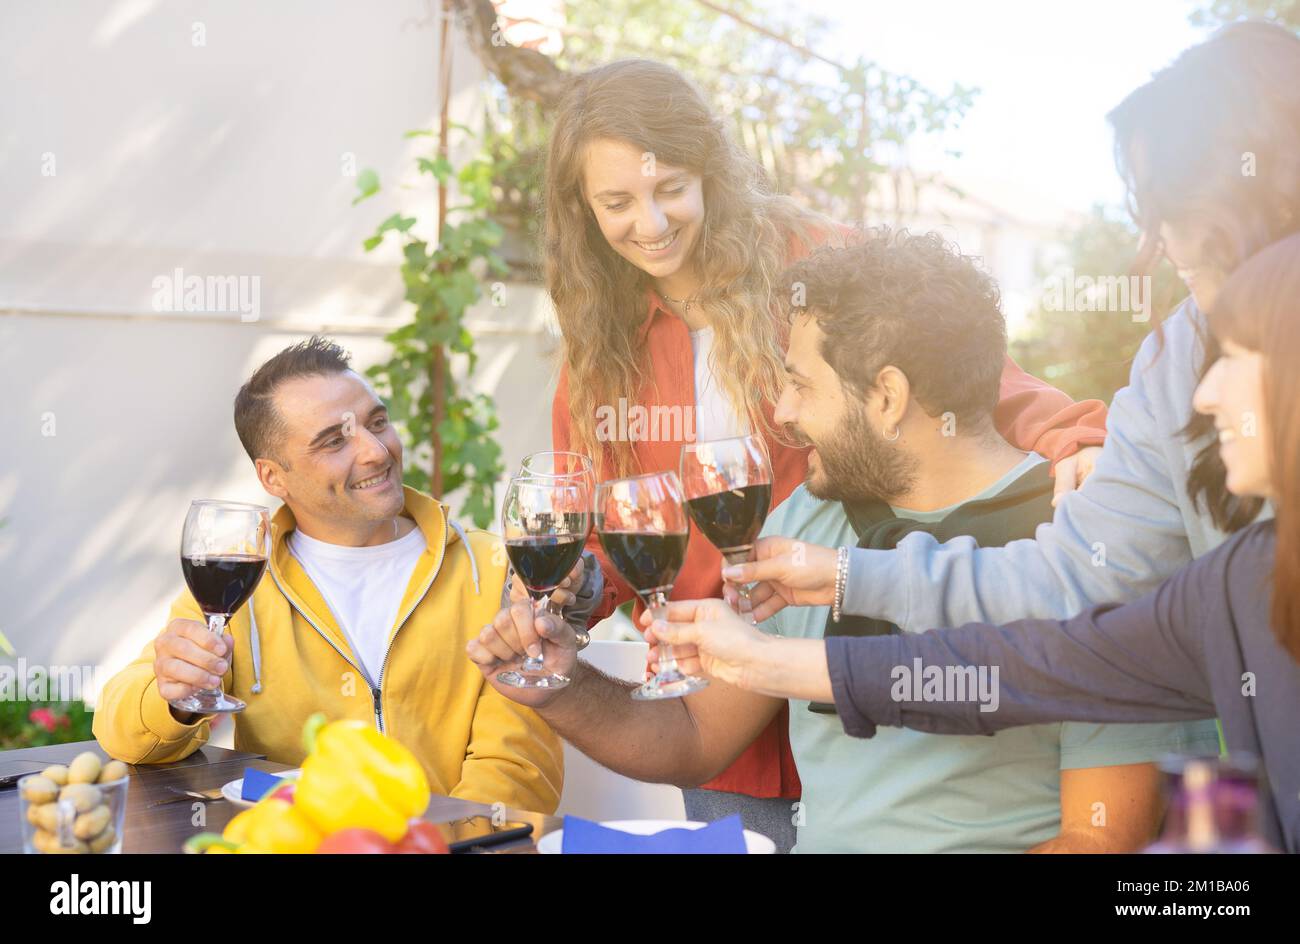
[
  {"x": 850, "y": 461},
  {"x": 813, "y": 403},
  {"x": 340, "y": 460}
]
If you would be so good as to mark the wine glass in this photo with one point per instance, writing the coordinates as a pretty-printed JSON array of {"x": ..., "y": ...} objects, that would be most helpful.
[
  {"x": 644, "y": 529},
  {"x": 545, "y": 522},
  {"x": 224, "y": 550},
  {"x": 728, "y": 485}
]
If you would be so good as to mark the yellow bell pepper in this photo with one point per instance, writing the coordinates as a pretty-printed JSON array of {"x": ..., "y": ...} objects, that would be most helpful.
[
  {"x": 356, "y": 777},
  {"x": 273, "y": 826},
  {"x": 269, "y": 826}
]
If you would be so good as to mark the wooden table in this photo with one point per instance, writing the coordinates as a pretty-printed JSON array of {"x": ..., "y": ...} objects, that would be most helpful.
[{"x": 165, "y": 828}]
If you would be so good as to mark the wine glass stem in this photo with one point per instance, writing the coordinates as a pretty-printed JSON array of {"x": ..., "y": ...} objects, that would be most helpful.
[
  {"x": 746, "y": 608},
  {"x": 216, "y": 626},
  {"x": 659, "y": 610},
  {"x": 540, "y": 605}
]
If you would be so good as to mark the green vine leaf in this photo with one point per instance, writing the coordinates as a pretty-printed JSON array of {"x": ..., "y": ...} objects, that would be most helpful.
[
  {"x": 367, "y": 186},
  {"x": 440, "y": 168}
]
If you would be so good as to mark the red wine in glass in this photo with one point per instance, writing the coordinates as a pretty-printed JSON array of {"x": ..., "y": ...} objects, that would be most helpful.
[
  {"x": 543, "y": 562},
  {"x": 731, "y": 520},
  {"x": 224, "y": 583},
  {"x": 224, "y": 551},
  {"x": 648, "y": 562},
  {"x": 728, "y": 484},
  {"x": 644, "y": 529},
  {"x": 545, "y": 521}
]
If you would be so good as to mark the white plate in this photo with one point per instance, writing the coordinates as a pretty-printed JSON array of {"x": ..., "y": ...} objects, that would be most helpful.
[
  {"x": 755, "y": 843},
  {"x": 231, "y": 791}
]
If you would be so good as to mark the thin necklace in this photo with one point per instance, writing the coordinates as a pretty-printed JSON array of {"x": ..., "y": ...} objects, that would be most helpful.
[{"x": 686, "y": 303}]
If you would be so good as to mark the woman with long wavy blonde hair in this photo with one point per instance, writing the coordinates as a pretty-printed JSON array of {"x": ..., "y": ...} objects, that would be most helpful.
[{"x": 664, "y": 249}]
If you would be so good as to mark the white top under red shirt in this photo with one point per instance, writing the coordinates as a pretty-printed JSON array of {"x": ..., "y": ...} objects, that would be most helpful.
[{"x": 714, "y": 416}]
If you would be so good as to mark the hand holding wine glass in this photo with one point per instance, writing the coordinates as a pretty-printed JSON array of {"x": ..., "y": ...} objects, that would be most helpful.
[
  {"x": 187, "y": 656},
  {"x": 545, "y": 521},
  {"x": 224, "y": 551},
  {"x": 499, "y": 647},
  {"x": 726, "y": 646},
  {"x": 707, "y": 637},
  {"x": 784, "y": 572}
]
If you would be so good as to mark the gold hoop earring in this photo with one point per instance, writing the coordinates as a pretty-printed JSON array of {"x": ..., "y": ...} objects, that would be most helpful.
[{"x": 893, "y": 438}]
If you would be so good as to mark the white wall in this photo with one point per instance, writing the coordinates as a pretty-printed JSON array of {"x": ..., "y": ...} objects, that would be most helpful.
[{"x": 229, "y": 158}]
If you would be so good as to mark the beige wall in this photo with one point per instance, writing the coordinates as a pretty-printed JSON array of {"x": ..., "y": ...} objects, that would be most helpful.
[{"x": 223, "y": 159}]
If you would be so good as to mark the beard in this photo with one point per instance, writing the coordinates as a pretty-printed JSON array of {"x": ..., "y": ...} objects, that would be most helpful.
[{"x": 858, "y": 464}]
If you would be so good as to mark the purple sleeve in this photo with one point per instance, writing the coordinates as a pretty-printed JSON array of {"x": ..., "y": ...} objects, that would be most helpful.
[{"x": 1141, "y": 661}]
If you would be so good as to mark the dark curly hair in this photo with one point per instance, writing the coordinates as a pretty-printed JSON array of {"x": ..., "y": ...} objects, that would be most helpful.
[
  {"x": 257, "y": 421},
  {"x": 913, "y": 301}
]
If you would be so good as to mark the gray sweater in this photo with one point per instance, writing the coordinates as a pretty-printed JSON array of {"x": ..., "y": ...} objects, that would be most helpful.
[
  {"x": 1129, "y": 527},
  {"x": 1197, "y": 646}
]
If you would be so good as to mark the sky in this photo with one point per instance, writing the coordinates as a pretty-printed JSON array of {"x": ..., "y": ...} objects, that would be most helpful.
[{"x": 1048, "y": 72}]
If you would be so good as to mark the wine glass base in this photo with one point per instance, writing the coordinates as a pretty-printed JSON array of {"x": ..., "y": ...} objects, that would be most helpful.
[
  {"x": 655, "y": 689},
  {"x": 524, "y": 679},
  {"x": 208, "y": 703}
]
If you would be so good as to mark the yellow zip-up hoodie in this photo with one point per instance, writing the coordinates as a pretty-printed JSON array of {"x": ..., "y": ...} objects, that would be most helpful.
[{"x": 291, "y": 660}]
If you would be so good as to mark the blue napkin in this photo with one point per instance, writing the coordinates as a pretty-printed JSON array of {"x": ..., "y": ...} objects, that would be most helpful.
[
  {"x": 257, "y": 784},
  {"x": 724, "y": 836}
]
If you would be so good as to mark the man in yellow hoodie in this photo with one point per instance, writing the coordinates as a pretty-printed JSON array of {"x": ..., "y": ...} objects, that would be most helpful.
[{"x": 371, "y": 594}]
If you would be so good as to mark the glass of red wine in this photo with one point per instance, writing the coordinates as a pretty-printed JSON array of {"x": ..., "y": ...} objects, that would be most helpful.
[
  {"x": 224, "y": 550},
  {"x": 728, "y": 484},
  {"x": 643, "y": 528},
  {"x": 545, "y": 522}
]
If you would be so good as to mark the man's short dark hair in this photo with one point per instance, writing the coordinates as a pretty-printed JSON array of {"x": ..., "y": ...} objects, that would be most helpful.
[
  {"x": 258, "y": 423},
  {"x": 913, "y": 301}
]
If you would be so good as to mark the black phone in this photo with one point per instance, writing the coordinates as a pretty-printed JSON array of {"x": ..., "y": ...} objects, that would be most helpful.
[
  {"x": 477, "y": 832},
  {"x": 11, "y": 771}
]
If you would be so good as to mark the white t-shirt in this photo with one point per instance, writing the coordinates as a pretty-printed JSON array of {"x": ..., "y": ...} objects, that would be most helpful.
[
  {"x": 363, "y": 587},
  {"x": 714, "y": 416}
]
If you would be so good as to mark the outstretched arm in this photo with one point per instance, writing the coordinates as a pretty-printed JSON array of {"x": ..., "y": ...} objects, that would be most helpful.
[
  {"x": 1115, "y": 538},
  {"x": 684, "y": 741},
  {"x": 1142, "y": 661}
]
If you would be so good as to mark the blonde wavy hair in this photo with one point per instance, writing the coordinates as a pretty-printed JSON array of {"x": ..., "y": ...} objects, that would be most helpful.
[{"x": 600, "y": 297}]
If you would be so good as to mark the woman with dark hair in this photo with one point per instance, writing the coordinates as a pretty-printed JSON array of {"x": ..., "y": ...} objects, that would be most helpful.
[
  {"x": 663, "y": 252},
  {"x": 1220, "y": 638},
  {"x": 1210, "y": 152}
]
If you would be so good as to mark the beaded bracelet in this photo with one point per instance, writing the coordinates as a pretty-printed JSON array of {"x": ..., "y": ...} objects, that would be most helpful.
[{"x": 841, "y": 579}]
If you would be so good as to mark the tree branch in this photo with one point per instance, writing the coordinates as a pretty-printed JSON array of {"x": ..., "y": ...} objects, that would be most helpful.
[{"x": 526, "y": 73}]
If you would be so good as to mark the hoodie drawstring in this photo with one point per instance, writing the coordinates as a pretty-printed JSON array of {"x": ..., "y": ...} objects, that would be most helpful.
[
  {"x": 257, "y": 650},
  {"x": 473, "y": 564}
]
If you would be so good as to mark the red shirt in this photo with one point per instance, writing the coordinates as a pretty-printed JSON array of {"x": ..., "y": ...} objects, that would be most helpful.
[{"x": 1030, "y": 415}]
